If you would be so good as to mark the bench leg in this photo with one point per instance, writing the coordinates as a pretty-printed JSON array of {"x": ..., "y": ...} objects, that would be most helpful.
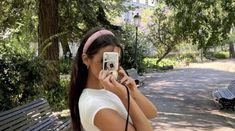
[{"x": 227, "y": 104}]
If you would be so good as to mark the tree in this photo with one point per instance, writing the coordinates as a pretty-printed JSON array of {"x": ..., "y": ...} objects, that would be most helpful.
[
  {"x": 48, "y": 33},
  {"x": 163, "y": 34},
  {"x": 204, "y": 23},
  {"x": 19, "y": 21},
  {"x": 78, "y": 16},
  {"x": 128, "y": 41},
  {"x": 75, "y": 18}
]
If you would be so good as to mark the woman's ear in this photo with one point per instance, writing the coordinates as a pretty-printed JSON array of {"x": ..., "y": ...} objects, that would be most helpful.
[{"x": 85, "y": 59}]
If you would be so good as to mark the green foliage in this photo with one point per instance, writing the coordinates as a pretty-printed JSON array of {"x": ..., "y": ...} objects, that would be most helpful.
[
  {"x": 24, "y": 78},
  {"x": 167, "y": 62},
  {"x": 219, "y": 55},
  {"x": 19, "y": 21},
  {"x": 128, "y": 42},
  {"x": 65, "y": 66},
  {"x": 151, "y": 62},
  {"x": 189, "y": 57},
  {"x": 78, "y": 16},
  {"x": 204, "y": 23},
  {"x": 163, "y": 34},
  {"x": 58, "y": 96},
  {"x": 21, "y": 76}
]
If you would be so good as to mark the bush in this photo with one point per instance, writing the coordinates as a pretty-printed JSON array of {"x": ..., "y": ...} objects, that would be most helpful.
[
  {"x": 167, "y": 62},
  {"x": 190, "y": 57},
  {"x": 24, "y": 78},
  {"x": 221, "y": 55},
  {"x": 58, "y": 97},
  {"x": 65, "y": 66},
  {"x": 21, "y": 76},
  {"x": 128, "y": 40},
  {"x": 151, "y": 62},
  {"x": 218, "y": 55}
]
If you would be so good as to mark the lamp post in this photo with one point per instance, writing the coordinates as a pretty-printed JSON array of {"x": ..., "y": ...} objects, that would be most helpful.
[
  {"x": 231, "y": 46},
  {"x": 137, "y": 20}
]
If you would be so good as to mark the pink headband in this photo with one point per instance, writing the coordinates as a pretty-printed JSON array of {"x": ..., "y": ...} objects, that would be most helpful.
[{"x": 94, "y": 36}]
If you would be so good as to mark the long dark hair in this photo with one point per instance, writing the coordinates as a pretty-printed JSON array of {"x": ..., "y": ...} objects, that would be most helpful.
[{"x": 79, "y": 72}]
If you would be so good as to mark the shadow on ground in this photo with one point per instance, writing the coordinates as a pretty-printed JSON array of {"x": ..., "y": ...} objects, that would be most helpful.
[{"x": 184, "y": 99}]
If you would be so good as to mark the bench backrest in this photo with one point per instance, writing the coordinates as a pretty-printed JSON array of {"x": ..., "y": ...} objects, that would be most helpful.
[
  {"x": 26, "y": 117},
  {"x": 231, "y": 86},
  {"x": 132, "y": 73}
]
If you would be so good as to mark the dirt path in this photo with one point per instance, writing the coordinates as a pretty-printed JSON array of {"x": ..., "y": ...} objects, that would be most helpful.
[{"x": 184, "y": 99}]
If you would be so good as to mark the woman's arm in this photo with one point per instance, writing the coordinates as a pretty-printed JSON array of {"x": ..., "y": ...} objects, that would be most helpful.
[
  {"x": 144, "y": 103},
  {"x": 110, "y": 120}
]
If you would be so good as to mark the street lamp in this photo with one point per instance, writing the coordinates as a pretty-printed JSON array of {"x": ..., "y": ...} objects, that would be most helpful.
[{"x": 137, "y": 20}]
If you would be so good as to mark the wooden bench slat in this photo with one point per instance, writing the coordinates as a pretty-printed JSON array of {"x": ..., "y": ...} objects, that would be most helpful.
[
  {"x": 21, "y": 107},
  {"x": 25, "y": 121},
  {"x": 60, "y": 125},
  {"x": 226, "y": 96},
  {"x": 22, "y": 112},
  {"x": 34, "y": 116},
  {"x": 231, "y": 87},
  {"x": 34, "y": 122},
  {"x": 65, "y": 126},
  {"x": 53, "y": 126},
  {"x": 42, "y": 124},
  {"x": 225, "y": 93}
]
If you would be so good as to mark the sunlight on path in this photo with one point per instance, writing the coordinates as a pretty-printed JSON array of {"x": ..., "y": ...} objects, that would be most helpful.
[
  {"x": 223, "y": 65},
  {"x": 184, "y": 100}
]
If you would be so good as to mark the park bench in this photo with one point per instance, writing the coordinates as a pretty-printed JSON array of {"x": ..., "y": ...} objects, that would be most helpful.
[
  {"x": 33, "y": 116},
  {"x": 225, "y": 96},
  {"x": 139, "y": 80}
]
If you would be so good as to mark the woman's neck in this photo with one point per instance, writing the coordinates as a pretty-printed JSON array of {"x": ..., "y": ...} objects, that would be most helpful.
[{"x": 93, "y": 82}]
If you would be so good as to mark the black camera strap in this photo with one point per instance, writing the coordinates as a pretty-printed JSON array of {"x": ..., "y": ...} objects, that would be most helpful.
[{"x": 128, "y": 107}]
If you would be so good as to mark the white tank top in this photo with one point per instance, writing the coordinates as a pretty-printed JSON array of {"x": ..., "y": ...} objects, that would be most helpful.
[{"x": 93, "y": 100}]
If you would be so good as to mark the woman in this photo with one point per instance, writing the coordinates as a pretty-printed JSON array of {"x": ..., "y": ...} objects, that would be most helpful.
[{"x": 97, "y": 100}]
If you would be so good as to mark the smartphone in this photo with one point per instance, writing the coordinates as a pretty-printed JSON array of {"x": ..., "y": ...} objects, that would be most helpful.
[{"x": 110, "y": 62}]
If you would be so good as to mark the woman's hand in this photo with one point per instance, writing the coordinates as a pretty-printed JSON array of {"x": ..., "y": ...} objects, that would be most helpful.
[
  {"x": 128, "y": 81},
  {"x": 109, "y": 83}
]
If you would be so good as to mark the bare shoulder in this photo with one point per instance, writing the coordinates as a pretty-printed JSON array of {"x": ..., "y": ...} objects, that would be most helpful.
[{"x": 110, "y": 120}]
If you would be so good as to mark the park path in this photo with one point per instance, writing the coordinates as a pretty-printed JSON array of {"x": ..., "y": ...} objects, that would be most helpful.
[{"x": 183, "y": 97}]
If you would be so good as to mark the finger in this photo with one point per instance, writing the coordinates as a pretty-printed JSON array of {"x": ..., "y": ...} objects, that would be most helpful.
[
  {"x": 121, "y": 68},
  {"x": 114, "y": 82},
  {"x": 122, "y": 72},
  {"x": 101, "y": 75},
  {"x": 107, "y": 82},
  {"x": 125, "y": 78},
  {"x": 129, "y": 82}
]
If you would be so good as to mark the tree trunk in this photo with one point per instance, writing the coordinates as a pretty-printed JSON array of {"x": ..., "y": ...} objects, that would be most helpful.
[
  {"x": 231, "y": 50},
  {"x": 48, "y": 28},
  {"x": 164, "y": 55},
  {"x": 65, "y": 46}
]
